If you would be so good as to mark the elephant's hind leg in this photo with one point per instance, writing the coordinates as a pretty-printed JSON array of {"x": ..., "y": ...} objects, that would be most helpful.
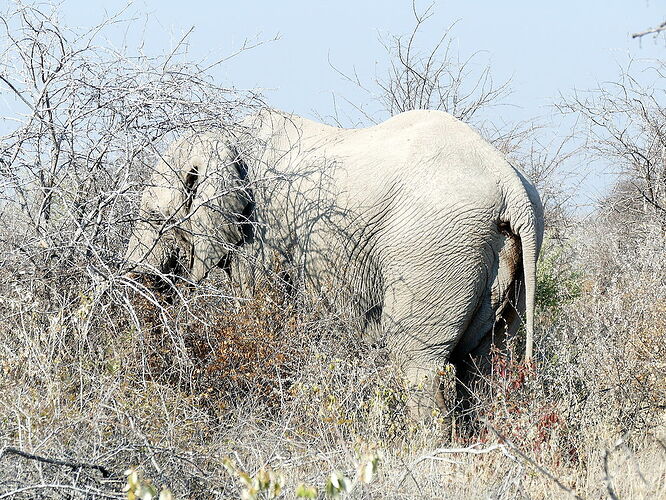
[
  {"x": 422, "y": 325},
  {"x": 495, "y": 319},
  {"x": 432, "y": 396}
]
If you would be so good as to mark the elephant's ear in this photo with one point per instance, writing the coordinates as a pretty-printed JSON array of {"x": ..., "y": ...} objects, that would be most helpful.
[
  {"x": 246, "y": 218},
  {"x": 191, "y": 183}
]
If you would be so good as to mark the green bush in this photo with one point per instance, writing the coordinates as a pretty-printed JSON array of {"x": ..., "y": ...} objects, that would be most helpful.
[{"x": 559, "y": 282}]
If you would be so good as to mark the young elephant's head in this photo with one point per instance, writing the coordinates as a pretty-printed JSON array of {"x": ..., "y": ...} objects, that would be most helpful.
[{"x": 195, "y": 211}]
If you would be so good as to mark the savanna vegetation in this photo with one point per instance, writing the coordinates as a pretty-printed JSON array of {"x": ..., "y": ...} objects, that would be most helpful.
[{"x": 110, "y": 389}]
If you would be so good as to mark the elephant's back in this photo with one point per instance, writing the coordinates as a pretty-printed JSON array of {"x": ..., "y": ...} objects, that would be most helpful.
[
  {"x": 431, "y": 155},
  {"x": 432, "y": 141},
  {"x": 428, "y": 155}
]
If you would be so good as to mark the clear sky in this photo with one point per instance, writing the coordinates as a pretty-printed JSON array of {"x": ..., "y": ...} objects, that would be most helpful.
[{"x": 546, "y": 48}]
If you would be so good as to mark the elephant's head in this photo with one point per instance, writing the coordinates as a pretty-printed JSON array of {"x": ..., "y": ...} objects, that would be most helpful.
[{"x": 195, "y": 211}]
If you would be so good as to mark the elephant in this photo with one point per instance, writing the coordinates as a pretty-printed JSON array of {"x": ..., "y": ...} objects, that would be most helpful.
[{"x": 418, "y": 225}]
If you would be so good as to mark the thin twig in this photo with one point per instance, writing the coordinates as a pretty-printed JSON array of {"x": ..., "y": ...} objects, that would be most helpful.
[{"x": 539, "y": 468}]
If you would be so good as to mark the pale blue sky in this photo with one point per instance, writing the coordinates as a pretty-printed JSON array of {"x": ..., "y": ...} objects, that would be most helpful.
[{"x": 545, "y": 47}]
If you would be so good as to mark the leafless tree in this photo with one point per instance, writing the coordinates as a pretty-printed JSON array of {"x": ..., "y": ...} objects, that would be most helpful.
[
  {"x": 85, "y": 125},
  {"x": 436, "y": 78},
  {"x": 626, "y": 129},
  {"x": 433, "y": 78}
]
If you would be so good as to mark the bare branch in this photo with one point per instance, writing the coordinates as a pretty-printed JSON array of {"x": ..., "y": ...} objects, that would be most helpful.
[
  {"x": 650, "y": 31},
  {"x": 54, "y": 461}
]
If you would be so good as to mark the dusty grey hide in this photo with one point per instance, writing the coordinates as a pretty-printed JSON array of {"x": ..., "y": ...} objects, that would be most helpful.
[{"x": 417, "y": 225}]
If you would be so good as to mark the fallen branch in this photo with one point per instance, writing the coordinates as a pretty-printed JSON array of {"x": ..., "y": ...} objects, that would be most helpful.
[
  {"x": 54, "y": 461},
  {"x": 85, "y": 491},
  {"x": 474, "y": 449}
]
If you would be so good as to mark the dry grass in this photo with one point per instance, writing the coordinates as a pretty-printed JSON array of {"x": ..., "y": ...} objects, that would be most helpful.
[{"x": 271, "y": 382}]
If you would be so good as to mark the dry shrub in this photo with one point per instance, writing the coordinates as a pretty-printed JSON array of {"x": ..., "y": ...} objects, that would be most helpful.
[
  {"x": 235, "y": 348},
  {"x": 280, "y": 380},
  {"x": 250, "y": 349},
  {"x": 515, "y": 407}
]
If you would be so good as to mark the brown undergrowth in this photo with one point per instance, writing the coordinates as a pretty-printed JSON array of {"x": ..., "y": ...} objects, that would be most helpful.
[{"x": 235, "y": 348}]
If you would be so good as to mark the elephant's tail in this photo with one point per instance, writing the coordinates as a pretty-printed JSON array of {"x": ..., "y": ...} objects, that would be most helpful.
[
  {"x": 529, "y": 252},
  {"x": 526, "y": 221}
]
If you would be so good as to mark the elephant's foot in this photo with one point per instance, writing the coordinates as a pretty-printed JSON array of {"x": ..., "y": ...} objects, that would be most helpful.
[{"x": 432, "y": 398}]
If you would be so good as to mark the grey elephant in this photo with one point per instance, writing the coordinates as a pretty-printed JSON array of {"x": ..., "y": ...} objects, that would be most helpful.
[{"x": 417, "y": 225}]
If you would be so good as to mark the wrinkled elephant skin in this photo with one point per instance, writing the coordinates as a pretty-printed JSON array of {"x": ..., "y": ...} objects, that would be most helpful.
[{"x": 417, "y": 223}]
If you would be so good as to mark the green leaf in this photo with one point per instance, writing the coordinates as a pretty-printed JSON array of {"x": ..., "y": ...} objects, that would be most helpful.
[
  {"x": 337, "y": 483},
  {"x": 304, "y": 491}
]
